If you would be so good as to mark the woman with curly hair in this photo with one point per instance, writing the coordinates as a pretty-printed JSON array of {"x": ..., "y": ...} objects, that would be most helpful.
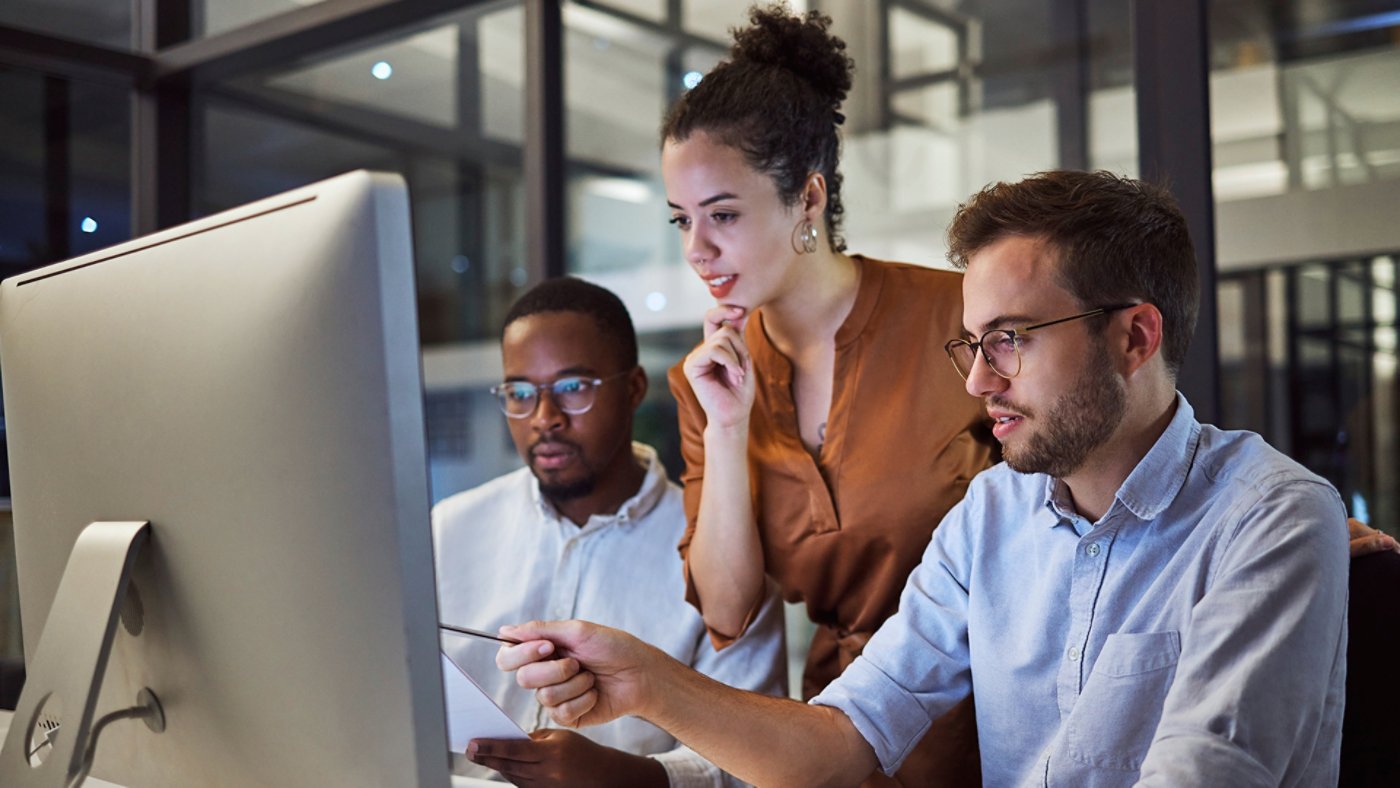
[{"x": 824, "y": 432}]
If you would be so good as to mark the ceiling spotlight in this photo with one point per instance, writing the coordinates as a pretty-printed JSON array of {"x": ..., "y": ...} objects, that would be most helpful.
[
  {"x": 656, "y": 301},
  {"x": 382, "y": 70},
  {"x": 89, "y": 224},
  {"x": 691, "y": 79}
]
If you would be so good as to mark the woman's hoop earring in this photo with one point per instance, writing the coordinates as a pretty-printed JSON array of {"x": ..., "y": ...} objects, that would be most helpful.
[{"x": 804, "y": 238}]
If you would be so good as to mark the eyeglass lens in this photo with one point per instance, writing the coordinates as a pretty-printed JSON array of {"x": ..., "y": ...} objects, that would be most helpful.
[
  {"x": 1001, "y": 350},
  {"x": 571, "y": 395}
]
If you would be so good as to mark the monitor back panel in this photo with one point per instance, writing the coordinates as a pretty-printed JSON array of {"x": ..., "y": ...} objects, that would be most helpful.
[{"x": 250, "y": 384}]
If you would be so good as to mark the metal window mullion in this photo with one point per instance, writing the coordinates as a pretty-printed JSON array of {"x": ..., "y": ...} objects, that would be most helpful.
[
  {"x": 161, "y": 145},
  {"x": 1170, "y": 49},
  {"x": 545, "y": 178},
  {"x": 58, "y": 180}
]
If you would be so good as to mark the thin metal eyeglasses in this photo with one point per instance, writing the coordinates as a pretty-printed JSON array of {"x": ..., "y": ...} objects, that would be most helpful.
[
  {"x": 574, "y": 395},
  {"x": 1001, "y": 347}
]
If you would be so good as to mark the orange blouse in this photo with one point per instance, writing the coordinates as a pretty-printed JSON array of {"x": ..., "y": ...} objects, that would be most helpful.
[
  {"x": 842, "y": 532},
  {"x": 903, "y": 439}
]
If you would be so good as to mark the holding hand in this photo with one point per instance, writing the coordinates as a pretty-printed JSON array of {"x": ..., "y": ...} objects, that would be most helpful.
[
  {"x": 551, "y": 660},
  {"x": 720, "y": 370},
  {"x": 558, "y": 757}
]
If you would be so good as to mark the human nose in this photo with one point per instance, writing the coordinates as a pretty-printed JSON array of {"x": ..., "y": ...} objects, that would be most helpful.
[
  {"x": 698, "y": 246},
  {"x": 547, "y": 416},
  {"x": 982, "y": 380}
]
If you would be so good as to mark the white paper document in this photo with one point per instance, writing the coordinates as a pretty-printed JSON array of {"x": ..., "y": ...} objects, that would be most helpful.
[{"x": 471, "y": 714}]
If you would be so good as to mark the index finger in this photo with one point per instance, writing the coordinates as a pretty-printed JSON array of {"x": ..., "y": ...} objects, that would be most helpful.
[{"x": 722, "y": 315}]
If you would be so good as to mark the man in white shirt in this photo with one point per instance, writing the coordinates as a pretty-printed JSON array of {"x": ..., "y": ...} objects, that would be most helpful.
[{"x": 587, "y": 530}]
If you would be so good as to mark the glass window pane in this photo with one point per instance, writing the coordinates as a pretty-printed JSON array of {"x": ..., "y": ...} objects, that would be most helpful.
[
  {"x": 619, "y": 79},
  {"x": 410, "y": 77},
  {"x": 919, "y": 45},
  {"x": 655, "y": 10},
  {"x": 65, "y": 176},
  {"x": 105, "y": 22},
  {"x": 219, "y": 16},
  {"x": 417, "y": 102}
]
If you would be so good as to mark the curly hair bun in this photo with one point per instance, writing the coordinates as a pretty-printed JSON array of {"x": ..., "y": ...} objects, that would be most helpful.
[{"x": 800, "y": 44}]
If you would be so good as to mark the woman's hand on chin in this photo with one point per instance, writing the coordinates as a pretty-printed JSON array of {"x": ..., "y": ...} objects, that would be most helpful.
[{"x": 720, "y": 369}]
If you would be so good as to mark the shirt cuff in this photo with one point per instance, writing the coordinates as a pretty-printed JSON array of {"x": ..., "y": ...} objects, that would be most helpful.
[
  {"x": 686, "y": 769},
  {"x": 891, "y": 720}
]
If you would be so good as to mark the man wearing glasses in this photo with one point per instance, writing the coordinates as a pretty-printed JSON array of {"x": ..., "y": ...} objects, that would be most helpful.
[
  {"x": 588, "y": 529},
  {"x": 1137, "y": 598}
]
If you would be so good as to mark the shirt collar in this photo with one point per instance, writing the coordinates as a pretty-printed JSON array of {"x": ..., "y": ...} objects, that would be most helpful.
[
  {"x": 1161, "y": 474},
  {"x": 632, "y": 510},
  {"x": 1157, "y": 478}
]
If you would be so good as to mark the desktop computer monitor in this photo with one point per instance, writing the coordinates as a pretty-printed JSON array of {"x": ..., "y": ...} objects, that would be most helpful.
[{"x": 248, "y": 384}]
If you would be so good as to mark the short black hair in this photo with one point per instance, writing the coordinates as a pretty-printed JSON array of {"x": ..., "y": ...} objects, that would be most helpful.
[{"x": 570, "y": 294}]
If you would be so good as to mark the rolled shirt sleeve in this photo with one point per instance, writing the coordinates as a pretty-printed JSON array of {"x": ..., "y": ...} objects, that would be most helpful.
[{"x": 917, "y": 666}]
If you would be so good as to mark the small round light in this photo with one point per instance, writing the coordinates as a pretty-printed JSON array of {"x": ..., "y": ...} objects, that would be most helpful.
[
  {"x": 382, "y": 70},
  {"x": 460, "y": 264},
  {"x": 691, "y": 79},
  {"x": 518, "y": 276},
  {"x": 89, "y": 224},
  {"x": 656, "y": 301}
]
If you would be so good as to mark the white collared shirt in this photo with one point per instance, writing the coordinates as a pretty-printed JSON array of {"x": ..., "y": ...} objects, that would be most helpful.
[{"x": 504, "y": 555}]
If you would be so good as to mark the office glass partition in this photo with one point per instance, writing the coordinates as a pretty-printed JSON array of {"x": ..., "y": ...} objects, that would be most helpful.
[
  {"x": 651, "y": 10},
  {"x": 1308, "y": 360},
  {"x": 65, "y": 175},
  {"x": 211, "y": 17},
  {"x": 1305, "y": 132},
  {"x": 442, "y": 103},
  {"x": 104, "y": 22}
]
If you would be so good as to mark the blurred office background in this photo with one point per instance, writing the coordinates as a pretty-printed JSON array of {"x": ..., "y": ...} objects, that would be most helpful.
[{"x": 527, "y": 132}]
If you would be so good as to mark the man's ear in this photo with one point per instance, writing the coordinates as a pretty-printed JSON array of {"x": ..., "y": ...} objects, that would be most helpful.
[
  {"x": 1143, "y": 339},
  {"x": 637, "y": 385}
]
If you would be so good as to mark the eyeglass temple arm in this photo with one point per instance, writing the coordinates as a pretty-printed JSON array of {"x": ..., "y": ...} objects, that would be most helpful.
[{"x": 1103, "y": 310}]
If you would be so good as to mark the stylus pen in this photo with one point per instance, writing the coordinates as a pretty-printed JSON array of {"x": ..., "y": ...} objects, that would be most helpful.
[{"x": 479, "y": 634}]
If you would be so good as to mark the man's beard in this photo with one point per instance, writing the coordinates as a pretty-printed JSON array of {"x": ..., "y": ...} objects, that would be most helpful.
[
  {"x": 1081, "y": 420},
  {"x": 568, "y": 490}
]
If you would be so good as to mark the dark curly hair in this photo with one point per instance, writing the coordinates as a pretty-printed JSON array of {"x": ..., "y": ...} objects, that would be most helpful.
[
  {"x": 570, "y": 294},
  {"x": 1117, "y": 240},
  {"x": 777, "y": 98}
]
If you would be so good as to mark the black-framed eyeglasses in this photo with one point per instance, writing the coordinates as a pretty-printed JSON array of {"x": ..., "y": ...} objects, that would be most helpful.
[
  {"x": 1001, "y": 347},
  {"x": 573, "y": 395}
]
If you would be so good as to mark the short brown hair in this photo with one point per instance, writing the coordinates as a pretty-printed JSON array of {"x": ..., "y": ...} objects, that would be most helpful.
[{"x": 1117, "y": 240}]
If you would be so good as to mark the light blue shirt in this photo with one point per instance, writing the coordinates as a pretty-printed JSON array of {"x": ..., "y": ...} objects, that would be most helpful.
[{"x": 1194, "y": 636}]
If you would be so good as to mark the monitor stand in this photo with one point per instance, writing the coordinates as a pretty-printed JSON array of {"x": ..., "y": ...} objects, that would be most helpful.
[{"x": 52, "y": 735}]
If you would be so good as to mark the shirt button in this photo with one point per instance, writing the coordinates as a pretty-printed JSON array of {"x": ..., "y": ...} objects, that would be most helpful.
[
  {"x": 1073, "y": 653},
  {"x": 1092, "y": 550}
]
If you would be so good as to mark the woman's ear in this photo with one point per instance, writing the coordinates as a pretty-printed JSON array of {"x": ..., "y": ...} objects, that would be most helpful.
[{"x": 814, "y": 196}]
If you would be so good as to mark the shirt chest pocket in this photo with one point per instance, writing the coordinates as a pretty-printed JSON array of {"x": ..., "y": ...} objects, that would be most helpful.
[{"x": 1117, "y": 713}]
